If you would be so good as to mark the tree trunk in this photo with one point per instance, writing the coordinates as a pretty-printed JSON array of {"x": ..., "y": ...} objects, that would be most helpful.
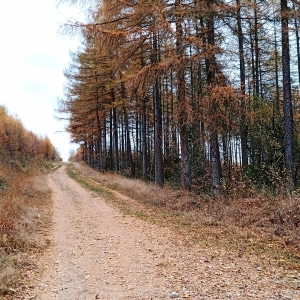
[
  {"x": 144, "y": 139},
  {"x": 210, "y": 63},
  {"x": 276, "y": 105},
  {"x": 104, "y": 145},
  {"x": 100, "y": 159},
  {"x": 110, "y": 139},
  {"x": 298, "y": 45},
  {"x": 115, "y": 133},
  {"x": 256, "y": 49},
  {"x": 185, "y": 166},
  {"x": 158, "y": 160},
  {"x": 128, "y": 145},
  {"x": 244, "y": 129},
  {"x": 287, "y": 97}
]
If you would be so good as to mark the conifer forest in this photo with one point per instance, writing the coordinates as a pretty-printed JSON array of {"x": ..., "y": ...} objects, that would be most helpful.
[
  {"x": 201, "y": 95},
  {"x": 21, "y": 148}
]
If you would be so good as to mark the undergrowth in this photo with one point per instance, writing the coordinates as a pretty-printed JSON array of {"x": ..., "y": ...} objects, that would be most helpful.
[
  {"x": 261, "y": 223},
  {"x": 24, "y": 202}
]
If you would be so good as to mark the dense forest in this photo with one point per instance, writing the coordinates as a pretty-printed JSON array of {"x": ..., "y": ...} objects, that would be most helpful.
[
  {"x": 198, "y": 94},
  {"x": 20, "y": 147}
]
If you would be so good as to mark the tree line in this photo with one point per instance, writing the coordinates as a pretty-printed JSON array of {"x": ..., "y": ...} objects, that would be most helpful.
[
  {"x": 17, "y": 144},
  {"x": 202, "y": 94}
]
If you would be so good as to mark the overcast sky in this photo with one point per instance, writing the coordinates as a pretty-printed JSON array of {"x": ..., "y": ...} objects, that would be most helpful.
[{"x": 33, "y": 57}]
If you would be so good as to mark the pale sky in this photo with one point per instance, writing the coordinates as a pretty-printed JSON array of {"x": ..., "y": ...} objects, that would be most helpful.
[{"x": 33, "y": 56}]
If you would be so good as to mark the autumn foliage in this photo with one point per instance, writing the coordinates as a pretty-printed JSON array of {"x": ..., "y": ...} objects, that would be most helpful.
[
  {"x": 189, "y": 93},
  {"x": 24, "y": 198},
  {"x": 18, "y": 144}
]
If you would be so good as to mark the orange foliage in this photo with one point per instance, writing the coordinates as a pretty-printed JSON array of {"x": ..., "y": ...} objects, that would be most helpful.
[
  {"x": 17, "y": 142},
  {"x": 48, "y": 148}
]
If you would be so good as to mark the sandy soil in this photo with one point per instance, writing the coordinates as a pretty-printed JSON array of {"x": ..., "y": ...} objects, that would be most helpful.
[{"x": 98, "y": 253}]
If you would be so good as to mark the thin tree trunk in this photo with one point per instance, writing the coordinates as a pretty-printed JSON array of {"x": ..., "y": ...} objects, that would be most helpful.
[
  {"x": 276, "y": 105},
  {"x": 128, "y": 143},
  {"x": 137, "y": 139},
  {"x": 185, "y": 166},
  {"x": 104, "y": 145},
  {"x": 115, "y": 133},
  {"x": 144, "y": 139},
  {"x": 110, "y": 139},
  {"x": 256, "y": 50},
  {"x": 287, "y": 96},
  {"x": 244, "y": 129},
  {"x": 298, "y": 46},
  {"x": 158, "y": 160},
  {"x": 100, "y": 159},
  {"x": 210, "y": 62}
]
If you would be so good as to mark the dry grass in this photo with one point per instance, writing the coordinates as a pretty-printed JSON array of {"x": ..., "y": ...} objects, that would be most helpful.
[
  {"x": 24, "y": 206},
  {"x": 261, "y": 223}
]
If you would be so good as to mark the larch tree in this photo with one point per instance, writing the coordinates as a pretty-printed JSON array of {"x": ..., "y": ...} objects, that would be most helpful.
[
  {"x": 287, "y": 96},
  {"x": 187, "y": 92}
]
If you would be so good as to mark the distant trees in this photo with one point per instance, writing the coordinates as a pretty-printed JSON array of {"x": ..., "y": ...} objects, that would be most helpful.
[
  {"x": 18, "y": 143},
  {"x": 188, "y": 92}
]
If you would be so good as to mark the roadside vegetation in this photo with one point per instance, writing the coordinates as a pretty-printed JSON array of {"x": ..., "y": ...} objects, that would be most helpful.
[
  {"x": 261, "y": 224},
  {"x": 25, "y": 159}
]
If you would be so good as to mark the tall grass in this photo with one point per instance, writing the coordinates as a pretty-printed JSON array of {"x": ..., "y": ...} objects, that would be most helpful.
[{"x": 24, "y": 206}]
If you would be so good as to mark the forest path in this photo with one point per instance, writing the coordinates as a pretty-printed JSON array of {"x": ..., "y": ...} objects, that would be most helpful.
[{"x": 97, "y": 252}]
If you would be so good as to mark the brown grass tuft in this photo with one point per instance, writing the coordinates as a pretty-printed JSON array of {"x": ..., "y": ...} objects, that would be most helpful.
[{"x": 24, "y": 206}]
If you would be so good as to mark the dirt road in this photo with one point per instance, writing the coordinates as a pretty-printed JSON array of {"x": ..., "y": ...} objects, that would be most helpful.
[{"x": 98, "y": 253}]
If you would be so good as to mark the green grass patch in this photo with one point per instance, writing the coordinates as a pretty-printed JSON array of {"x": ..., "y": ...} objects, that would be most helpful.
[
  {"x": 89, "y": 185},
  {"x": 109, "y": 197},
  {"x": 104, "y": 192},
  {"x": 56, "y": 167}
]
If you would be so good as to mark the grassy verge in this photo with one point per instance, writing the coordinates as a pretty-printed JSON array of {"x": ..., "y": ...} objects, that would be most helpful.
[
  {"x": 24, "y": 211},
  {"x": 101, "y": 190},
  {"x": 258, "y": 225},
  {"x": 56, "y": 167}
]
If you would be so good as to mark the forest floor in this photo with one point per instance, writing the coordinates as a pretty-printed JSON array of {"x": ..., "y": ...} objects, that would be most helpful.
[{"x": 98, "y": 251}]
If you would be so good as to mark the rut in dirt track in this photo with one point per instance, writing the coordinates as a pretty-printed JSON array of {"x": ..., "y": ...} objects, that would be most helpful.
[{"x": 98, "y": 253}]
